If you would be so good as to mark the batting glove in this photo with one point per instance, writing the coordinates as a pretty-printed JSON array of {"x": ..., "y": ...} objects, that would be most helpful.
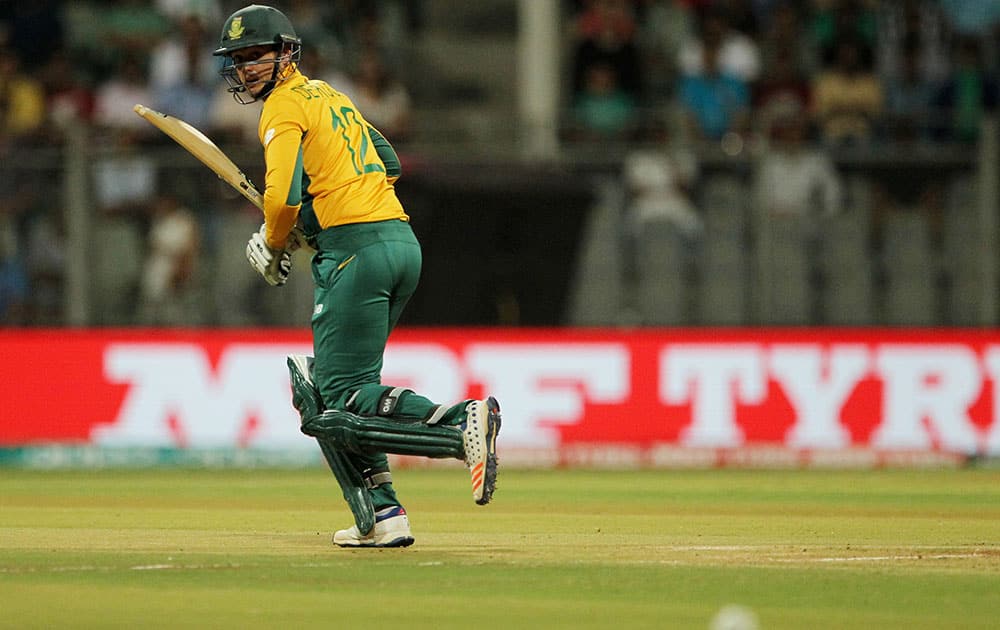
[{"x": 273, "y": 264}]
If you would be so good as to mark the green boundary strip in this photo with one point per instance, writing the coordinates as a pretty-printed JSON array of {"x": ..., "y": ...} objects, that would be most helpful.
[
  {"x": 64, "y": 456},
  {"x": 61, "y": 456}
]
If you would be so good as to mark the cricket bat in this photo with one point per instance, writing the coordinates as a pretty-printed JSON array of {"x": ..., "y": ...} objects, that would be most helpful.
[{"x": 209, "y": 154}]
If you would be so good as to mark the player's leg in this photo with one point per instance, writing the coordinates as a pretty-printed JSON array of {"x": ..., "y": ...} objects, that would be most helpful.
[
  {"x": 479, "y": 421},
  {"x": 479, "y": 435},
  {"x": 306, "y": 399},
  {"x": 351, "y": 324},
  {"x": 365, "y": 480},
  {"x": 406, "y": 423},
  {"x": 369, "y": 435},
  {"x": 361, "y": 290}
]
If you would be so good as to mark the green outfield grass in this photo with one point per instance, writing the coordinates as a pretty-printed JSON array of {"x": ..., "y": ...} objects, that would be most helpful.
[{"x": 621, "y": 550}]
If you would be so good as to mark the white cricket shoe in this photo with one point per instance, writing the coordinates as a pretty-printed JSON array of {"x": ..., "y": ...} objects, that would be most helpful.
[
  {"x": 479, "y": 434},
  {"x": 392, "y": 529}
]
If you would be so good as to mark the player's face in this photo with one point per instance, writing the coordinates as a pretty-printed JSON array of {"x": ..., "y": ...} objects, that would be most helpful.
[{"x": 255, "y": 67}]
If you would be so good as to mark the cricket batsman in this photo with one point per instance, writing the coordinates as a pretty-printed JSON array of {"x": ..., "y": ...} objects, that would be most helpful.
[{"x": 331, "y": 172}]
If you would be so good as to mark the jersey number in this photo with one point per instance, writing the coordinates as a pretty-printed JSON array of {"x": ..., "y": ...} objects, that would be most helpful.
[{"x": 349, "y": 117}]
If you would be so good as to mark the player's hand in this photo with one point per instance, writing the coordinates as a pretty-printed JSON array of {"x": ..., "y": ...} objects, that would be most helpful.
[{"x": 273, "y": 264}]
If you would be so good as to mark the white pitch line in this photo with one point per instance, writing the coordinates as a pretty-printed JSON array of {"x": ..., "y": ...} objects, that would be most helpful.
[
  {"x": 49, "y": 569},
  {"x": 157, "y": 567},
  {"x": 939, "y": 556},
  {"x": 186, "y": 567},
  {"x": 716, "y": 547}
]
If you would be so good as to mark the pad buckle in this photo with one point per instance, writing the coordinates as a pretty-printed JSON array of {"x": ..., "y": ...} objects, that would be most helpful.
[{"x": 377, "y": 479}]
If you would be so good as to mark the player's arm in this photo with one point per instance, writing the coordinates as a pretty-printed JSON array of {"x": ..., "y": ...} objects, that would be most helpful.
[
  {"x": 386, "y": 153},
  {"x": 268, "y": 250},
  {"x": 283, "y": 186},
  {"x": 282, "y": 139}
]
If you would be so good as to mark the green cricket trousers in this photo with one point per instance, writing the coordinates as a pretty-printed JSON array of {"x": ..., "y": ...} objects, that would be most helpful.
[{"x": 364, "y": 275}]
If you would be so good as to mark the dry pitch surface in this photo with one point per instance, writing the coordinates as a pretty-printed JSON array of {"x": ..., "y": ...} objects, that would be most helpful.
[{"x": 564, "y": 549}]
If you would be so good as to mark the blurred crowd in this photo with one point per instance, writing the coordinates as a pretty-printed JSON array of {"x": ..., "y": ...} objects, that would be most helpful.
[
  {"x": 792, "y": 90},
  {"x": 660, "y": 77},
  {"x": 857, "y": 71},
  {"x": 80, "y": 61},
  {"x": 84, "y": 64}
]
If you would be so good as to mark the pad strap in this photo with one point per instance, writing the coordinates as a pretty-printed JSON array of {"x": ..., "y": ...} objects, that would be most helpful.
[
  {"x": 375, "y": 480},
  {"x": 349, "y": 405},
  {"x": 387, "y": 403},
  {"x": 438, "y": 414}
]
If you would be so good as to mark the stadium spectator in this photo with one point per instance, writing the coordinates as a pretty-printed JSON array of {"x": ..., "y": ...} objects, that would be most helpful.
[
  {"x": 603, "y": 110},
  {"x": 45, "y": 263},
  {"x": 966, "y": 96},
  {"x": 231, "y": 122},
  {"x": 782, "y": 87},
  {"x": 977, "y": 19},
  {"x": 908, "y": 28},
  {"x": 605, "y": 34},
  {"x": 833, "y": 21},
  {"x": 115, "y": 97},
  {"x": 663, "y": 26},
  {"x": 22, "y": 100},
  {"x": 795, "y": 177},
  {"x": 183, "y": 74},
  {"x": 847, "y": 96},
  {"x": 326, "y": 37},
  {"x": 321, "y": 66},
  {"x": 125, "y": 181},
  {"x": 785, "y": 36},
  {"x": 659, "y": 178},
  {"x": 713, "y": 102},
  {"x": 347, "y": 32},
  {"x": 734, "y": 53},
  {"x": 208, "y": 11},
  {"x": 398, "y": 27},
  {"x": 381, "y": 98},
  {"x": 69, "y": 101},
  {"x": 908, "y": 99},
  {"x": 170, "y": 287},
  {"x": 129, "y": 28}
]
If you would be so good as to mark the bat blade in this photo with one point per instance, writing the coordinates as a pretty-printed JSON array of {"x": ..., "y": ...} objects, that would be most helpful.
[{"x": 207, "y": 152}]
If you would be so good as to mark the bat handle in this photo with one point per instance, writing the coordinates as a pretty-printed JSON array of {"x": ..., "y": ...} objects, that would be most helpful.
[{"x": 297, "y": 240}]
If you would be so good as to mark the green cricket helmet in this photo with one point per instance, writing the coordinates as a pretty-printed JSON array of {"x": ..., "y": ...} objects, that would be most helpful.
[
  {"x": 256, "y": 25},
  {"x": 252, "y": 26}
]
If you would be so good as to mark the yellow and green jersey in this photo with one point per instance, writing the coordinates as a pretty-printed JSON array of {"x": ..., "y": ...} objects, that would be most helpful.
[{"x": 324, "y": 162}]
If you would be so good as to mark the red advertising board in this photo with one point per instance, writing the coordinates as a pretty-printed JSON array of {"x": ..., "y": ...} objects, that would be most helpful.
[{"x": 568, "y": 395}]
